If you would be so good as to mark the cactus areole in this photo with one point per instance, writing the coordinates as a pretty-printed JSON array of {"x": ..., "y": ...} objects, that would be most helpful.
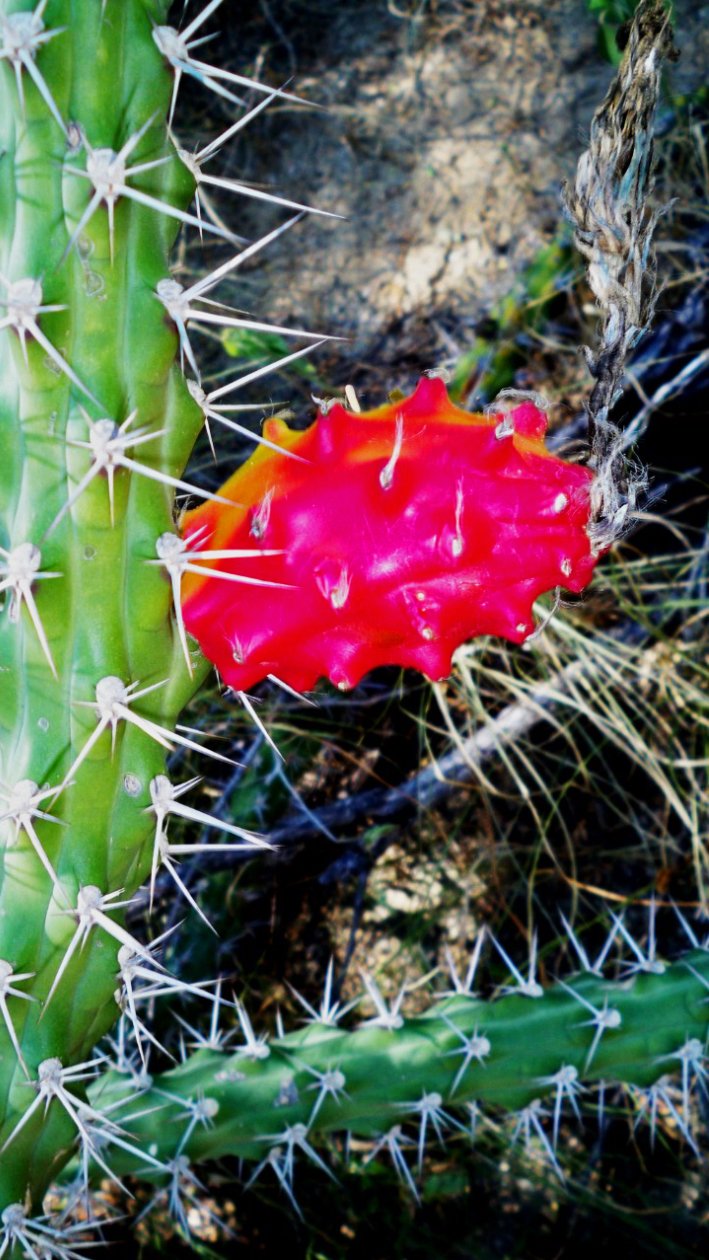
[{"x": 388, "y": 538}]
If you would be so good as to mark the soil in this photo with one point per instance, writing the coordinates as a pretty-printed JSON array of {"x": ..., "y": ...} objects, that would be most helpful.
[{"x": 447, "y": 129}]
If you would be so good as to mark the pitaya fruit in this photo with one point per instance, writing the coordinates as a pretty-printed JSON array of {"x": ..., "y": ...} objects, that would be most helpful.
[{"x": 385, "y": 538}]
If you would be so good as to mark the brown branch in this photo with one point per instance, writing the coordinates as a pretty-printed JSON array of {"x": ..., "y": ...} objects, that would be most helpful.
[{"x": 430, "y": 787}]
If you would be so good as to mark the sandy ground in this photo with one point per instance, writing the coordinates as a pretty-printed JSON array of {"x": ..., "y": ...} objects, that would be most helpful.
[{"x": 447, "y": 131}]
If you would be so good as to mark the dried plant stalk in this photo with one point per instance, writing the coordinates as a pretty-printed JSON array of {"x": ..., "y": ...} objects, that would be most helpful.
[{"x": 614, "y": 221}]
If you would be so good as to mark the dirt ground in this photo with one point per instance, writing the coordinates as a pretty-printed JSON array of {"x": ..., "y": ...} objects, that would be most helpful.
[{"x": 448, "y": 128}]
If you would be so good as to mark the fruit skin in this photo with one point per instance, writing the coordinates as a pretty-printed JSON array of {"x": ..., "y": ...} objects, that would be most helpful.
[{"x": 404, "y": 531}]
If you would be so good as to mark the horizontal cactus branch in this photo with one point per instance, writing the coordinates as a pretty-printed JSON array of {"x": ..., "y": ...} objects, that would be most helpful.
[{"x": 539, "y": 1057}]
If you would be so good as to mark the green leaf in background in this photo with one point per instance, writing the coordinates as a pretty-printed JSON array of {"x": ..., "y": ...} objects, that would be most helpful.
[
  {"x": 261, "y": 347},
  {"x": 490, "y": 363},
  {"x": 612, "y": 14}
]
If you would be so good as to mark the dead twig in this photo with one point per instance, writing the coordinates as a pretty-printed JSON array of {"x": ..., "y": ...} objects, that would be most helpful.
[
  {"x": 430, "y": 786},
  {"x": 614, "y": 222}
]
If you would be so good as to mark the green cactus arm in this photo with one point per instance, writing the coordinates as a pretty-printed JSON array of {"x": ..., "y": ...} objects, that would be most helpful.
[
  {"x": 502, "y": 1054},
  {"x": 108, "y": 351}
]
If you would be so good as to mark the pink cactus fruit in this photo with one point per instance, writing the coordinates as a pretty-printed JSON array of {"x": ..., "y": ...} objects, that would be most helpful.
[{"x": 400, "y": 533}]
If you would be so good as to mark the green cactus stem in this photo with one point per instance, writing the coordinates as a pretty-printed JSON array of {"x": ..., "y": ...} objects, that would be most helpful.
[
  {"x": 532, "y": 1052},
  {"x": 96, "y": 426}
]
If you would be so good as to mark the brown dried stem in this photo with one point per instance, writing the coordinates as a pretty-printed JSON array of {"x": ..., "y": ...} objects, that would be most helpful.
[{"x": 609, "y": 205}]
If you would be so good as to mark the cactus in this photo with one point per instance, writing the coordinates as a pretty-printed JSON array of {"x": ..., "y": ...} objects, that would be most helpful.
[
  {"x": 98, "y": 420},
  {"x": 268, "y": 1098}
]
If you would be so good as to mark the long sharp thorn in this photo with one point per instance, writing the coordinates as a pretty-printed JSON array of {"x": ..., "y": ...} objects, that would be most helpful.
[
  {"x": 162, "y": 736},
  {"x": 116, "y": 1140},
  {"x": 154, "y": 475},
  {"x": 203, "y": 39},
  {"x": 172, "y": 212},
  {"x": 110, "y": 477},
  {"x": 215, "y": 72},
  {"x": 42, "y": 88},
  {"x": 183, "y": 850},
  {"x": 210, "y": 149},
  {"x": 203, "y": 571},
  {"x": 204, "y": 286},
  {"x": 137, "y": 694},
  {"x": 94, "y": 1152},
  {"x": 250, "y": 709},
  {"x": 68, "y": 955},
  {"x": 159, "y": 836},
  {"x": 7, "y": 1020},
  {"x": 233, "y": 553},
  {"x": 20, "y": 85},
  {"x": 170, "y": 866},
  {"x": 93, "y": 739},
  {"x": 134, "y": 140},
  {"x": 206, "y": 317},
  {"x": 111, "y": 206},
  {"x": 61, "y": 362},
  {"x": 188, "y": 785},
  {"x": 232, "y": 185},
  {"x": 175, "y": 90},
  {"x": 194, "y": 69},
  {"x": 23, "y": 343},
  {"x": 86, "y": 480},
  {"x": 232, "y": 386},
  {"x": 24, "y": 1119},
  {"x": 147, "y": 166},
  {"x": 254, "y": 437},
  {"x": 39, "y": 850},
  {"x": 26, "y": 593},
  {"x": 89, "y": 212},
  {"x": 180, "y": 621},
  {"x": 207, "y": 820},
  {"x": 158, "y": 733},
  {"x": 200, "y": 19},
  {"x": 121, "y": 935}
]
